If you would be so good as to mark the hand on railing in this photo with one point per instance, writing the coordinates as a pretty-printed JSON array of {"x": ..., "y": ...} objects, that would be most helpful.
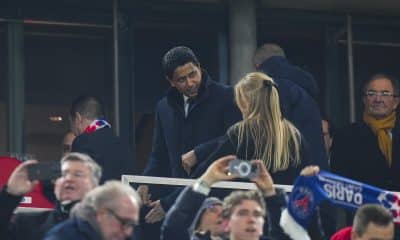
[{"x": 143, "y": 191}]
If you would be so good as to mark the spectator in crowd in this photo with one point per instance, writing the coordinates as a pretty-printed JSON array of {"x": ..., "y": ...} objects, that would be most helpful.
[
  {"x": 95, "y": 137},
  {"x": 370, "y": 222},
  {"x": 68, "y": 138},
  {"x": 244, "y": 212},
  {"x": 110, "y": 211},
  {"x": 297, "y": 93},
  {"x": 79, "y": 175},
  {"x": 263, "y": 133},
  {"x": 48, "y": 185},
  {"x": 194, "y": 113},
  {"x": 208, "y": 220},
  {"x": 327, "y": 130},
  {"x": 367, "y": 150}
]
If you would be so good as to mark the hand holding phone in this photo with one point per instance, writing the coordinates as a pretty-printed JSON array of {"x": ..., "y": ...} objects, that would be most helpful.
[
  {"x": 44, "y": 171},
  {"x": 243, "y": 169}
]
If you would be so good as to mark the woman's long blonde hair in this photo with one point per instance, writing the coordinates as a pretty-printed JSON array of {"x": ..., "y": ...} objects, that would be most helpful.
[{"x": 276, "y": 141}]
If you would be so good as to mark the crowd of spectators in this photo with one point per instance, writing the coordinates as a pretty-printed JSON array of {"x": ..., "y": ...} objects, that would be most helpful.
[{"x": 270, "y": 120}]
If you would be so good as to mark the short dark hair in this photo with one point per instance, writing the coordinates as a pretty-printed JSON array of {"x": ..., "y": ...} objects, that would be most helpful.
[
  {"x": 176, "y": 57},
  {"x": 371, "y": 213},
  {"x": 237, "y": 197},
  {"x": 88, "y": 107},
  {"x": 392, "y": 79}
]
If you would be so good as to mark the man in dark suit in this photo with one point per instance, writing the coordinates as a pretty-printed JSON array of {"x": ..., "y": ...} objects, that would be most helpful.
[
  {"x": 80, "y": 174},
  {"x": 368, "y": 150},
  {"x": 189, "y": 119},
  {"x": 297, "y": 94},
  {"x": 96, "y": 138},
  {"x": 109, "y": 212}
]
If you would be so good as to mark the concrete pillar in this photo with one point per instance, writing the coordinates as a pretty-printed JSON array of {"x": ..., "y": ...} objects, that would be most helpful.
[
  {"x": 123, "y": 79},
  {"x": 242, "y": 37},
  {"x": 16, "y": 86}
]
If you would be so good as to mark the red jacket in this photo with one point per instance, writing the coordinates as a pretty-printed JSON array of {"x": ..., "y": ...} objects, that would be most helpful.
[{"x": 342, "y": 234}]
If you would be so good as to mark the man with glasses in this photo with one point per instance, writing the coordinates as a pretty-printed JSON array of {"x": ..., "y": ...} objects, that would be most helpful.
[
  {"x": 80, "y": 174},
  {"x": 369, "y": 150},
  {"x": 110, "y": 211}
]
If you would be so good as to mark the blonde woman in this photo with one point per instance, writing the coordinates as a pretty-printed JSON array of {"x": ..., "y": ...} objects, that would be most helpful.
[{"x": 263, "y": 133}]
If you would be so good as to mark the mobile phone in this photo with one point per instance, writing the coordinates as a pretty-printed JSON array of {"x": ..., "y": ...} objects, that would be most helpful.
[
  {"x": 44, "y": 171},
  {"x": 243, "y": 168}
]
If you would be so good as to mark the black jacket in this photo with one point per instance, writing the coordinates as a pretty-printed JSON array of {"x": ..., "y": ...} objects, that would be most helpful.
[
  {"x": 229, "y": 145},
  {"x": 32, "y": 226},
  {"x": 181, "y": 215},
  {"x": 279, "y": 67},
  {"x": 114, "y": 156},
  {"x": 296, "y": 90},
  {"x": 212, "y": 113},
  {"x": 356, "y": 154}
]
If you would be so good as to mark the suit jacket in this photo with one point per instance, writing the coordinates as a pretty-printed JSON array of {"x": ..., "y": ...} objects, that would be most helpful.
[
  {"x": 356, "y": 154},
  {"x": 114, "y": 156},
  {"x": 212, "y": 113}
]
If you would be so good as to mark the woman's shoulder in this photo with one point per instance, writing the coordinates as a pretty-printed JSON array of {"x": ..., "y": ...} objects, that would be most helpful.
[{"x": 234, "y": 129}]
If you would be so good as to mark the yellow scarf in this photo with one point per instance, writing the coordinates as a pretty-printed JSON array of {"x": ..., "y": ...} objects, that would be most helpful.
[{"x": 381, "y": 129}]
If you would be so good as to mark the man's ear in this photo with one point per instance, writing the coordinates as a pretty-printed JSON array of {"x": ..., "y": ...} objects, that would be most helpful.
[
  {"x": 170, "y": 81},
  {"x": 78, "y": 117},
  {"x": 101, "y": 214},
  {"x": 397, "y": 99},
  {"x": 225, "y": 225},
  {"x": 364, "y": 99}
]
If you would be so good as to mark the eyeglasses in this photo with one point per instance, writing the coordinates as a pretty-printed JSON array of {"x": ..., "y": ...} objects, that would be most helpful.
[
  {"x": 125, "y": 223},
  {"x": 384, "y": 94}
]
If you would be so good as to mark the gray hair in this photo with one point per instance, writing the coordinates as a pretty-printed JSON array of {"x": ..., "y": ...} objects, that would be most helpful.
[
  {"x": 106, "y": 195},
  {"x": 95, "y": 168},
  {"x": 267, "y": 51}
]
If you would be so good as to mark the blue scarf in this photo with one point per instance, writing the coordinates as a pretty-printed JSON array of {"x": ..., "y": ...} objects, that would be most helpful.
[{"x": 308, "y": 192}]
